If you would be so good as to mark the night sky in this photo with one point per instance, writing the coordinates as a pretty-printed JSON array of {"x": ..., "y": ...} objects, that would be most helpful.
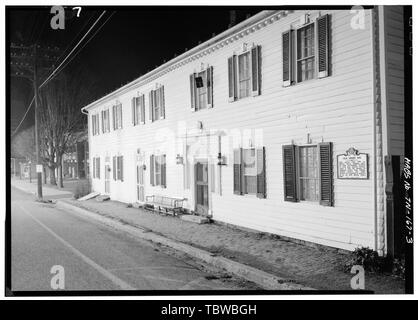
[{"x": 133, "y": 41}]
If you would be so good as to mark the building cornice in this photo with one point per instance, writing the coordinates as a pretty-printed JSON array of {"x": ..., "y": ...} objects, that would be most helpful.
[{"x": 237, "y": 32}]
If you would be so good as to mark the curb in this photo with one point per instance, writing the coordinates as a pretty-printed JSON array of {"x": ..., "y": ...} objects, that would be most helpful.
[{"x": 265, "y": 280}]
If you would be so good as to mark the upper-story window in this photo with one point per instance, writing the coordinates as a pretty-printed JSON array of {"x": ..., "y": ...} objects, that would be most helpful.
[
  {"x": 244, "y": 73},
  {"x": 95, "y": 124},
  {"x": 157, "y": 104},
  {"x": 305, "y": 51},
  {"x": 138, "y": 110},
  {"x": 105, "y": 120},
  {"x": 117, "y": 116},
  {"x": 201, "y": 89}
]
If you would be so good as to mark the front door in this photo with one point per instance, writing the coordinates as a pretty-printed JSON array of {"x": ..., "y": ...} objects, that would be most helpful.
[
  {"x": 140, "y": 190},
  {"x": 107, "y": 179},
  {"x": 201, "y": 187}
]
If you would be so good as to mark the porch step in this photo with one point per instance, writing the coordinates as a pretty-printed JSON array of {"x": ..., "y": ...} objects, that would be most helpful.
[
  {"x": 102, "y": 198},
  {"x": 195, "y": 219},
  {"x": 89, "y": 196}
]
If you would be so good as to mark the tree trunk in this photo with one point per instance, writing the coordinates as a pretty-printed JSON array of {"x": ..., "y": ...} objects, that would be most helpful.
[
  {"x": 60, "y": 175},
  {"x": 44, "y": 174},
  {"x": 52, "y": 179}
]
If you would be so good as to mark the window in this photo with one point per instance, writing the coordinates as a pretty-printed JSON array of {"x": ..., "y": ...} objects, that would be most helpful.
[
  {"x": 157, "y": 104},
  {"x": 311, "y": 43},
  {"x": 201, "y": 88},
  {"x": 95, "y": 124},
  {"x": 244, "y": 74},
  {"x": 158, "y": 170},
  {"x": 138, "y": 110},
  {"x": 96, "y": 167},
  {"x": 117, "y": 116},
  {"x": 118, "y": 168},
  {"x": 308, "y": 173},
  {"x": 250, "y": 171},
  {"x": 105, "y": 121},
  {"x": 305, "y": 60}
]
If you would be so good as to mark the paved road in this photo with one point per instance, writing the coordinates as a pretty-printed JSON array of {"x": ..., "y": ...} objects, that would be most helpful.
[{"x": 96, "y": 257}]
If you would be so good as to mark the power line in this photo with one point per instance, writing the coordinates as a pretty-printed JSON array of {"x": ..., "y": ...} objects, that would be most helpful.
[
  {"x": 24, "y": 116},
  {"x": 55, "y": 70},
  {"x": 84, "y": 44}
]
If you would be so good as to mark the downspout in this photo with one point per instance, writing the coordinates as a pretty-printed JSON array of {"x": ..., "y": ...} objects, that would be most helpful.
[{"x": 378, "y": 171}]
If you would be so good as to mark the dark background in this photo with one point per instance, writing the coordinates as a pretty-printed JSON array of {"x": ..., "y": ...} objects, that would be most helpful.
[{"x": 132, "y": 42}]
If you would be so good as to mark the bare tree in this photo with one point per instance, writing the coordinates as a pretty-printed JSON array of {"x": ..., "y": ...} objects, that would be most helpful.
[
  {"x": 23, "y": 144},
  {"x": 61, "y": 118}
]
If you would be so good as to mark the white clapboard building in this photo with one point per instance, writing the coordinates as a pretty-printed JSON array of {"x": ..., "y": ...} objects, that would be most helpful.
[{"x": 286, "y": 123}]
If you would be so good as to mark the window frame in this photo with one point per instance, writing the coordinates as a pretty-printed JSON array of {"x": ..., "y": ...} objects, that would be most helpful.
[
  {"x": 204, "y": 76},
  {"x": 106, "y": 125},
  {"x": 300, "y": 177},
  {"x": 250, "y": 78},
  {"x": 118, "y": 116},
  {"x": 295, "y": 59},
  {"x": 252, "y": 174}
]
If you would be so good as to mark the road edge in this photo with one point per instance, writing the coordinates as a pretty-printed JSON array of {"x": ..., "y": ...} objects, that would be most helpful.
[{"x": 264, "y": 279}]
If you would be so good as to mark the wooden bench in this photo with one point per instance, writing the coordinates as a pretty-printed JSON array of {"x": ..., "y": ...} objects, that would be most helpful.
[{"x": 164, "y": 204}]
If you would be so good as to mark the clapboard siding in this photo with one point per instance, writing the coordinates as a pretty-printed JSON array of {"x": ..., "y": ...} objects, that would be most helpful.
[
  {"x": 337, "y": 109},
  {"x": 394, "y": 38}
]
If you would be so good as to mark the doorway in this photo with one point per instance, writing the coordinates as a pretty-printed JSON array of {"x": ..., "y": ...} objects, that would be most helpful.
[
  {"x": 140, "y": 188},
  {"x": 202, "y": 187}
]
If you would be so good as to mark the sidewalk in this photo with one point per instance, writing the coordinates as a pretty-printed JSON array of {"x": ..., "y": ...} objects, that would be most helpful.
[
  {"x": 319, "y": 268},
  {"x": 48, "y": 192}
]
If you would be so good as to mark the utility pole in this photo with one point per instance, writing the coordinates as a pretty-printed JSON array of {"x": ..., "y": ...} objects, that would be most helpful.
[{"x": 26, "y": 62}]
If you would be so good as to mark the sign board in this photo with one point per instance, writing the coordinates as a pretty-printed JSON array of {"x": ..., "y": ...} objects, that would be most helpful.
[
  {"x": 39, "y": 168},
  {"x": 352, "y": 165}
]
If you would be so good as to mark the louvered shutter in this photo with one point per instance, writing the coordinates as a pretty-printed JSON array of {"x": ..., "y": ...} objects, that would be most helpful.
[
  {"x": 163, "y": 171},
  {"x": 151, "y": 171},
  {"x": 193, "y": 92},
  {"x": 143, "y": 109},
  {"x": 114, "y": 117},
  {"x": 323, "y": 45},
  {"x": 120, "y": 116},
  {"x": 209, "y": 88},
  {"x": 232, "y": 78},
  {"x": 289, "y": 173},
  {"x": 98, "y": 167},
  {"x": 255, "y": 70},
  {"x": 94, "y": 167},
  {"x": 121, "y": 168},
  {"x": 325, "y": 170},
  {"x": 287, "y": 42},
  {"x": 114, "y": 168},
  {"x": 151, "y": 106},
  {"x": 261, "y": 172},
  {"x": 92, "y": 125},
  {"x": 238, "y": 171},
  {"x": 133, "y": 102},
  {"x": 162, "y": 103}
]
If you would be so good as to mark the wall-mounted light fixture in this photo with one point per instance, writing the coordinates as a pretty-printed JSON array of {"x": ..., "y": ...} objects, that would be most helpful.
[{"x": 221, "y": 160}]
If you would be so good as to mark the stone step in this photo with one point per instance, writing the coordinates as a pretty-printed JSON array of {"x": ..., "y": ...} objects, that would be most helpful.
[{"x": 194, "y": 218}]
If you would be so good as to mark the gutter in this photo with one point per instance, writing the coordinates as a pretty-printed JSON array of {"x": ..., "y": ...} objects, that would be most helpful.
[{"x": 246, "y": 23}]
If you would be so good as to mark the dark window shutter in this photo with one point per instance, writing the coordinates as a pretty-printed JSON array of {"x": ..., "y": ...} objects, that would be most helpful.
[
  {"x": 261, "y": 172},
  {"x": 323, "y": 46},
  {"x": 287, "y": 57},
  {"x": 98, "y": 167},
  {"x": 121, "y": 167},
  {"x": 325, "y": 170},
  {"x": 163, "y": 171},
  {"x": 120, "y": 116},
  {"x": 289, "y": 173},
  {"x": 151, "y": 171},
  {"x": 114, "y": 168},
  {"x": 232, "y": 83},
  {"x": 193, "y": 92},
  {"x": 162, "y": 103},
  {"x": 92, "y": 124},
  {"x": 151, "y": 106},
  {"x": 143, "y": 109},
  {"x": 114, "y": 117},
  {"x": 209, "y": 78},
  {"x": 94, "y": 167},
  {"x": 238, "y": 171},
  {"x": 255, "y": 70},
  {"x": 134, "y": 122}
]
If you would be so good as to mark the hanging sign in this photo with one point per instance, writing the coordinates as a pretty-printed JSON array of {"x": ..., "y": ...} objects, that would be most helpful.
[
  {"x": 352, "y": 165},
  {"x": 39, "y": 168}
]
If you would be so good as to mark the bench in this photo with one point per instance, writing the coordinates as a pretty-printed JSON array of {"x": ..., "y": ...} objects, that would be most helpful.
[{"x": 164, "y": 204}]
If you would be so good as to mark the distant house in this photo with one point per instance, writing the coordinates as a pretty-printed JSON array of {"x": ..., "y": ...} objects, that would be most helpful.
[
  {"x": 75, "y": 160},
  {"x": 290, "y": 122}
]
